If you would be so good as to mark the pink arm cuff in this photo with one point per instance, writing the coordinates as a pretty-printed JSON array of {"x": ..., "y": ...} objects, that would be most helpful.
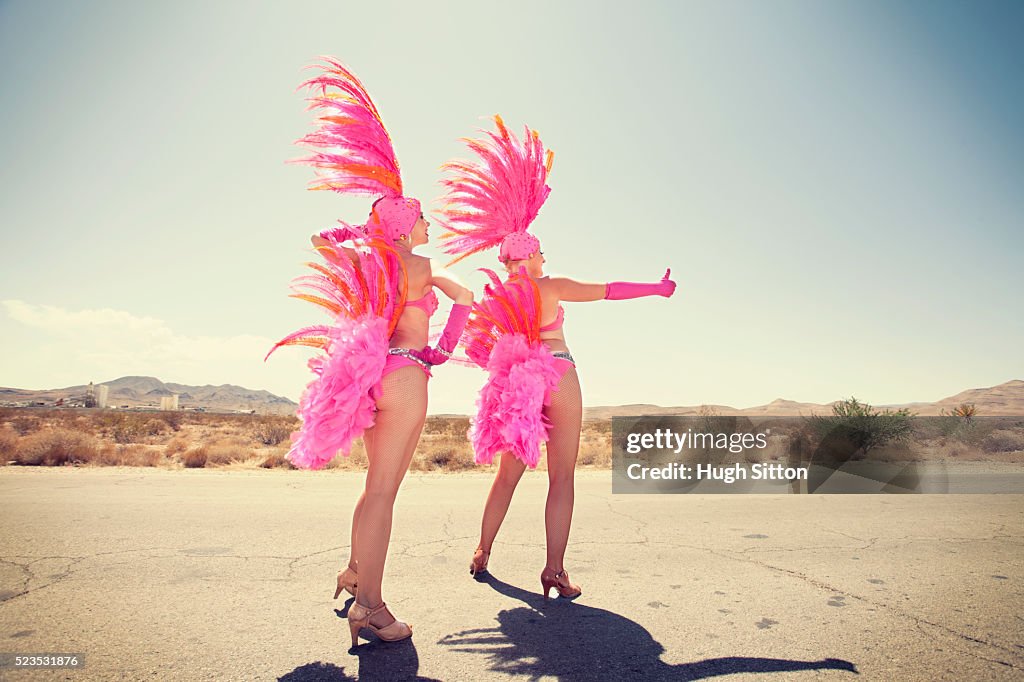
[
  {"x": 457, "y": 319},
  {"x": 618, "y": 291}
]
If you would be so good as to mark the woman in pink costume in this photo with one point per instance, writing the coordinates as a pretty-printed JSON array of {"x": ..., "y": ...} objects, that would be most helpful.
[
  {"x": 372, "y": 379},
  {"x": 516, "y": 333}
]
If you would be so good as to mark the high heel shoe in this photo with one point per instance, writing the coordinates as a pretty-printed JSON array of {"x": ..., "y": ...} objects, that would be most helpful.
[
  {"x": 559, "y": 581},
  {"x": 479, "y": 563},
  {"x": 347, "y": 580},
  {"x": 359, "y": 617}
]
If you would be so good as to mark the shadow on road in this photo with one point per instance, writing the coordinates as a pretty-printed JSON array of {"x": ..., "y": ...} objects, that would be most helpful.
[
  {"x": 378, "y": 660},
  {"x": 571, "y": 641}
]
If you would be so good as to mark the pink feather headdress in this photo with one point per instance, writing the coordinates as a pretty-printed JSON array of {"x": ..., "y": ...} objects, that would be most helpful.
[
  {"x": 494, "y": 201},
  {"x": 352, "y": 151}
]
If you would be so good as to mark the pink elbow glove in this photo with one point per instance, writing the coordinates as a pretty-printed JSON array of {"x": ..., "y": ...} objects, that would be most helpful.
[
  {"x": 617, "y": 291},
  {"x": 439, "y": 354}
]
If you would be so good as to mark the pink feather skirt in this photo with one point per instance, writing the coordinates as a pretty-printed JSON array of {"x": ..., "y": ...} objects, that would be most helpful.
[
  {"x": 510, "y": 408},
  {"x": 336, "y": 406}
]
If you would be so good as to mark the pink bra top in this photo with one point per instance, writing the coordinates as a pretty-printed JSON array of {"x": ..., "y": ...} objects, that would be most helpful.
[
  {"x": 427, "y": 303},
  {"x": 557, "y": 324}
]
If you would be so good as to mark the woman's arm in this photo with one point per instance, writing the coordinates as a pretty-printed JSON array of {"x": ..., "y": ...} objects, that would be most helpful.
[
  {"x": 330, "y": 250},
  {"x": 577, "y": 292},
  {"x": 457, "y": 318},
  {"x": 450, "y": 285}
]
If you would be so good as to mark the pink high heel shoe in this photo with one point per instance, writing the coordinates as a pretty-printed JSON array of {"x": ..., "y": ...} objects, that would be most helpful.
[
  {"x": 359, "y": 617},
  {"x": 559, "y": 581},
  {"x": 479, "y": 563},
  {"x": 347, "y": 580}
]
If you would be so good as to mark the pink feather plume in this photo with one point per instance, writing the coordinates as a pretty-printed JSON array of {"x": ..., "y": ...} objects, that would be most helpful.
[
  {"x": 502, "y": 193},
  {"x": 352, "y": 151}
]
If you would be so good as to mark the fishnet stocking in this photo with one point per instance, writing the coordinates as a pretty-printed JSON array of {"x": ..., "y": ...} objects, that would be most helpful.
[
  {"x": 566, "y": 415},
  {"x": 401, "y": 410}
]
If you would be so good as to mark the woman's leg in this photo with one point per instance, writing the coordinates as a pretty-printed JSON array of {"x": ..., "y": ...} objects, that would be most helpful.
[
  {"x": 510, "y": 470},
  {"x": 566, "y": 415},
  {"x": 353, "y": 555},
  {"x": 401, "y": 410}
]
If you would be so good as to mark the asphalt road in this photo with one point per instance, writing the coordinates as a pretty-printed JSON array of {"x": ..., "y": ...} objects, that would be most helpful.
[{"x": 210, "y": 575}]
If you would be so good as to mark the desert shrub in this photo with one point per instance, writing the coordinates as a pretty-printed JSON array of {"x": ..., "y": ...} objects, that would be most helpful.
[
  {"x": 447, "y": 455},
  {"x": 174, "y": 420},
  {"x": 154, "y": 427},
  {"x": 108, "y": 455},
  {"x": 195, "y": 458},
  {"x": 8, "y": 445},
  {"x": 274, "y": 430},
  {"x": 435, "y": 426},
  {"x": 55, "y": 447},
  {"x": 276, "y": 460},
  {"x": 1003, "y": 441},
  {"x": 857, "y": 428},
  {"x": 24, "y": 424},
  {"x": 137, "y": 455},
  {"x": 176, "y": 447},
  {"x": 226, "y": 454}
]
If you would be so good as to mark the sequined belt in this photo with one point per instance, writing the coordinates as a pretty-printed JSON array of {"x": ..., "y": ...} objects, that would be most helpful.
[
  {"x": 564, "y": 355},
  {"x": 407, "y": 352}
]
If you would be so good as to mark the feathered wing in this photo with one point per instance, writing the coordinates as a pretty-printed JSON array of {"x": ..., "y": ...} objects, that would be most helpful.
[
  {"x": 486, "y": 200},
  {"x": 364, "y": 290},
  {"x": 503, "y": 336},
  {"x": 351, "y": 149}
]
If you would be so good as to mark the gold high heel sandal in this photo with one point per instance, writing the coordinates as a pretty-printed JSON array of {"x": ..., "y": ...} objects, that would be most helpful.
[
  {"x": 559, "y": 581},
  {"x": 347, "y": 580},
  {"x": 479, "y": 563},
  {"x": 359, "y": 617}
]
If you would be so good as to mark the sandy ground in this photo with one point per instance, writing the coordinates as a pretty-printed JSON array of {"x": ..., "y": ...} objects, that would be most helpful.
[{"x": 210, "y": 575}]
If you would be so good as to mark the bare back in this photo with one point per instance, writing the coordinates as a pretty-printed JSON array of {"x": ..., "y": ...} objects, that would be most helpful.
[{"x": 413, "y": 327}]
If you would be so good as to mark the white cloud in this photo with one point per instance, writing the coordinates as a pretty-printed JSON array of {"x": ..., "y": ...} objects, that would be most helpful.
[{"x": 48, "y": 346}]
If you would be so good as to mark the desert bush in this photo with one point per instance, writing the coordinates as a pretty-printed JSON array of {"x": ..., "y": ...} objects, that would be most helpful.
[
  {"x": 274, "y": 430},
  {"x": 8, "y": 445},
  {"x": 276, "y": 460},
  {"x": 154, "y": 427},
  {"x": 138, "y": 455},
  {"x": 24, "y": 424},
  {"x": 446, "y": 454},
  {"x": 195, "y": 458},
  {"x": 176, "y": 447},
  {"x": 1003, "y": 441},
  {"x": 857, "y": 428},
  {"x": 226, "y": 454},
  {"x": 108, "y": 455},
  {"x": 174, "y": 420},
  {"x": 435, "y": 426},
  {"x": 55, "y": 447}
]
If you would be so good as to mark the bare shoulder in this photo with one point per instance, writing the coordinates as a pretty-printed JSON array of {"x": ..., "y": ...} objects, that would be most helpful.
[
  {"x": 418, "y": 270},
  {"x": 546, "y": 284}
]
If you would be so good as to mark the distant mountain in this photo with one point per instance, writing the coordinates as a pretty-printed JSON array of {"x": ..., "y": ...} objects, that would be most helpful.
[
  {"x": 146, "y": 391},
  {"x": 1004, "y": 400}
]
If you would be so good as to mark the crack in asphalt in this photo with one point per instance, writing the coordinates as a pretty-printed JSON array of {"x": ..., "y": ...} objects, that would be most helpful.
[
  {"x": 641, "y": 524},
  {"x": 903, "y": 614}
]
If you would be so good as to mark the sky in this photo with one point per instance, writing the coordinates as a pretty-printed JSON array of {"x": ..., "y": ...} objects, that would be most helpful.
[{"x": 836, "y": 186}]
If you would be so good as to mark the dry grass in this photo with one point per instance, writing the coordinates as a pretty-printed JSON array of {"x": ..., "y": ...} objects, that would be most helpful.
[
  {"x": 8, "y": 444},
  {"x": 55, "y": 447},
  {"x": 196, "y": 440},
  {"x": 276, "y": 460},
  {"x": 274, "y": 430},
  {"x": 195, "y": 458}
]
